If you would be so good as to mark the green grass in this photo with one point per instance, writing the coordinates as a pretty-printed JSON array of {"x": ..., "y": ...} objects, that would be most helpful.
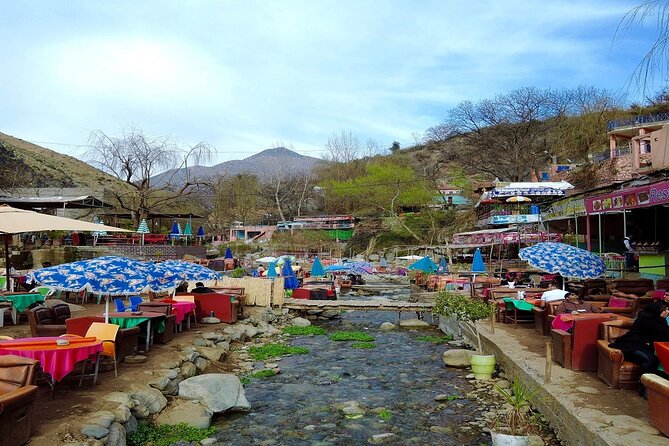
[
  {"x": 363, "y": 345},
  {"x": 385, "y": 414},
  {"x": 304, "y": 331},
  {"x": 275, "y": 350},
  {"x": 435, "y": 339},
  {"x": 165, "y": 435},
  {"x": 351, "y": 336},
  {"x": 244, "y": 380},
  {"x": 262, "y": 374}
]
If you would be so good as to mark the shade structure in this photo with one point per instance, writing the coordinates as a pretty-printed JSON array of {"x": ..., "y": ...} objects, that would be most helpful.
[
  {"x": 271, "y": 270},
  {"x": 518, "y": 199},
  {"x": 425, "y": 264},
  {"x": 143, "y": 227},
  {"x": 108, "y": 275},
  {"x": 228, "y": 254},
  {"x": 563, "y": 259},
  {"x": 317, "y": 268},
  {"x": 200, "y": 232},
  {"x": 266, "y": 259},
  {"x": 478, "y": 267},
  {"x": 290, "y": 282},
  {"x": 351, "y": 267},
  {"x": 188, "y": 230},
  {"x": 443, "y": 265},
  {"x": 16, "y": 221},
  {"x": 175, "y": 231},
  {"x": 411, "y": 257},
  {"x": 187, "y": 270}
]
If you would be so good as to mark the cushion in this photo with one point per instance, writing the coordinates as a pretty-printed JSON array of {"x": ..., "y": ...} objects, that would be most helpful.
[
  {"x": 617, "y": 302},
  {"x": 659, "y": 294}
]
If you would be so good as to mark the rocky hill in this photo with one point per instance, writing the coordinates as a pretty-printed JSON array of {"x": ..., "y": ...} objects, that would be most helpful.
[
  {"x": 264, "y": 165},
  {"x": 26, "y": 165}
]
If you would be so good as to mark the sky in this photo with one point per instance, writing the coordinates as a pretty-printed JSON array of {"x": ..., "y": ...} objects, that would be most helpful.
[{"x": 245, "y": 76}]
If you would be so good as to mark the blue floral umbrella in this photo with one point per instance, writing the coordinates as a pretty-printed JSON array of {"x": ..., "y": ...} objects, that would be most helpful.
[
  {"x": 187, "y": 270},
  {"x": 317, "y": 268},
  {"x": 290, "y": 281},
  {"x": 566, "y": 260},
  {"x": 425, "y": 264}
]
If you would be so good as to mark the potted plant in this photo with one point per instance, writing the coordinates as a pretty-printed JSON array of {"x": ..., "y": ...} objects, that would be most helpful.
[
  {"x": 514, "y": 425},
  {"x": 467, "y": 311}
]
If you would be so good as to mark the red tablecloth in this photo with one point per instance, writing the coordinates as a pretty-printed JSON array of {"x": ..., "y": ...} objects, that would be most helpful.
[
  {"x": 56, "y": 360},
  {"x": 181, "y": 309},
  {"x": 662, "y": 351}
]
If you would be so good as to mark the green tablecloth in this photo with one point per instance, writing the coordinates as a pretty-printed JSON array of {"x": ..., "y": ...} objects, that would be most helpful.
[
  {"x": 22, "y": 301},
  {"x": 129, "y": 322},
  {"x": 519, "y": 304}
]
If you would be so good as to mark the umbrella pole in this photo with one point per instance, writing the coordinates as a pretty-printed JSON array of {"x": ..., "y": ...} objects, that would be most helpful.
[
  {"x": 7, "y": 273},
  {"x": 107, "y": 309}
]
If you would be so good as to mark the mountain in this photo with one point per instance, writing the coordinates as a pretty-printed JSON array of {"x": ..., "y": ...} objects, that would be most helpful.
[
  {"x": 263, "y": 165},
  {"x": 27, "y": 165}
]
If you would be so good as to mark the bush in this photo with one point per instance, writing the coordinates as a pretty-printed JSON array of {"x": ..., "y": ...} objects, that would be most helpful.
[
  {"x": 351, "y": 336},
  {"x": 237, "y": 273},
  {"x": 435, "y": 339},
  {"x": 165, "y": 435},
  {"x": 461, "y": 307}
]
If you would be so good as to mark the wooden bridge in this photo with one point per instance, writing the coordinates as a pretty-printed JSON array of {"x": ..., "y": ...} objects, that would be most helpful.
[{"x": 367, "y": 304}]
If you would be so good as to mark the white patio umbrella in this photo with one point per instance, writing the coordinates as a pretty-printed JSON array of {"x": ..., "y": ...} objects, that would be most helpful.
[{"x": 15, "y": 221}]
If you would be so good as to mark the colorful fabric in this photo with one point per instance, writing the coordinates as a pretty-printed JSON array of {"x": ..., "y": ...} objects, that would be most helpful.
[
  {"x": 560, "y": 324},
  {"x": 56, "y": 360},
  {"x": 181, "y": 309},
  {"x": 566, "y": 260},
  {"x": 185, "y": 270},
  {"x": 23, "y": 301},
  {"x": 129, "y": 322},
  {"x": 618, "y": 302},
  {"x": 519, "y": 304}
]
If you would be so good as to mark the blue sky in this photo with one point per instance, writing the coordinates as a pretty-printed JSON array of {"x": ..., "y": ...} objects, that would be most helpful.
[{"x": 245, "y": 75}]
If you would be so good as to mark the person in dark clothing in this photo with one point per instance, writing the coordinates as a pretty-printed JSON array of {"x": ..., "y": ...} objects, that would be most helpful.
[
  {"x": 637, "y": 344},
  {"x": 200, "y": 288}
]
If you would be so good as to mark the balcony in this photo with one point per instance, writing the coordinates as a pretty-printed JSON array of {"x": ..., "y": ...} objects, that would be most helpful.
[{"x": 639, "y": 121}]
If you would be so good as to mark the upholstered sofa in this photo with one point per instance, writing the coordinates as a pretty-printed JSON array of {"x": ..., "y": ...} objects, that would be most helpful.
[
  {"x": 658, "y": 401},
  {"x": 578, "y": 350},
  {"x": 543, "y": 317},
  {"x": 126, "y": 338},
  {"x": 611, "y": 365},
  {"x": 17, "y": 395},
  {"x": 45, "y": 321},
  {"x": 223, "y": 306},
  {"x": 632, "y": 287}
]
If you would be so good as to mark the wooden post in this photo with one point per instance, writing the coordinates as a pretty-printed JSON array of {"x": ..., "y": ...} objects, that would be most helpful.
[
  {"x": 549, "y": 362},
  {"x": 492, "y": 320}
]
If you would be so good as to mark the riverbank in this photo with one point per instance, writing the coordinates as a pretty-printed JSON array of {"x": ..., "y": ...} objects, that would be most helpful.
[{"x": 580, "y": 407}]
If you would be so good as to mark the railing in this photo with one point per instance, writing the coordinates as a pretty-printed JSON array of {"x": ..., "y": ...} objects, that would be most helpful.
[
  {"x": 622, "y": 150},
  {"x": 648, "y": 119}
]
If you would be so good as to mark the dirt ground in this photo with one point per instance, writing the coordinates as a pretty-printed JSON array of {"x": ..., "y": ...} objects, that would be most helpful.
[{"x": 56, "y": 421}]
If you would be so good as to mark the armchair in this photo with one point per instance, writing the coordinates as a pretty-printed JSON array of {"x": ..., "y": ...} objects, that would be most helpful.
[
  {"x": 632, "y": 288},
  {"x": 17, "y": 395},
  {"x": 543, "y": 316},
  {"x": 611, "y": 366},
  {"x": 46, "y": 321},
  {"x": 577, "y": 350},
  {"x": 658, "y": 401}
]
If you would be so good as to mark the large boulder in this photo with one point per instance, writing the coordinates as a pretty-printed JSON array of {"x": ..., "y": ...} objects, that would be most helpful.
[
  {"x": 458, "y": 357},
  {"x": 413, "y": 323},
  {"x": 183, "y": 411},
  {"x": 219, "y": 392},
  {"x": 147, "y": 401},
  {"x": 301, "y": 322}
]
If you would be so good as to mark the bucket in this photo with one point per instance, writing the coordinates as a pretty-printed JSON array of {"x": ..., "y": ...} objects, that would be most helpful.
[{"x": 483, "y": 366}]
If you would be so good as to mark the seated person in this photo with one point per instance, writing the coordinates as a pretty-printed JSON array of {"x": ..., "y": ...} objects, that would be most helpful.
[
  {"x": 574, "y": 305},
  {"x": 183, "y": 288},
  {"x": 555, "y": 291},
  {"x": 200, "y": 288},
  {"x": 637, "y": 344}
]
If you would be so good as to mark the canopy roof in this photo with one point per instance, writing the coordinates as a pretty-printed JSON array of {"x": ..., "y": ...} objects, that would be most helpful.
[
  {"x": 13, "y": 221},
  {"x": 55, "y": 202}
]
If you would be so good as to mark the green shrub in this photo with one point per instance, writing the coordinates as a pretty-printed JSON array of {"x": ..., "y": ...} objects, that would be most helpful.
[
  {"x": 435, "y": 339},
  {"x": 461, "y": 307},
  {"x": 363, "y": 345},
  {"x": 238, "y": 273},
  {"x": 261, "y": 374},
  {"x": 304, "y": 331},
  {"x": 351, "y": 336},
  {"x": 165, "y": 435},
  {"x": 275, "y": 350}
]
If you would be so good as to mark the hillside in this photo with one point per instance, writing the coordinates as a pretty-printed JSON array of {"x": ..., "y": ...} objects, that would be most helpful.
[
  {"x": 28, "y": 165},
  {"x": 263, "y": 165}
]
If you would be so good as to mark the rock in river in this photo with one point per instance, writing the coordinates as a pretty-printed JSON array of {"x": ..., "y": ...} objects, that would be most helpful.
[{"x": 219, "y": 392}]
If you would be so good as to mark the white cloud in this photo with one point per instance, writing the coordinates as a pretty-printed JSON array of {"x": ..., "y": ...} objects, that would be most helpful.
[{"x": 243, "y": 75}]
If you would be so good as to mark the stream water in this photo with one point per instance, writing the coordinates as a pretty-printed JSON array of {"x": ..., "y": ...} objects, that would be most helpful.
[{"x": 395, "y": 383}]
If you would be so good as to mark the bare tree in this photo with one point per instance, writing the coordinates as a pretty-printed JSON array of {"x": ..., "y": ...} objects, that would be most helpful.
[
  {"x": 656, "y": 60},
  {"x": 136, "y": 159},
  {"x": 343, "y": 147}
]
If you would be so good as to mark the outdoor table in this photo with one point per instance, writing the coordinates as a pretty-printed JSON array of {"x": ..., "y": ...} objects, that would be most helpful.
[
  {"x": 505, "y": 291},
  {"x": 129, "y": 320},
  {"x": 662, "y": 352},
  {"x": 564, "y": 321},
  {"x": 56, "y": 360},
  {"x": 180, "y": 308},
  {"x": 22, "y": 301}
]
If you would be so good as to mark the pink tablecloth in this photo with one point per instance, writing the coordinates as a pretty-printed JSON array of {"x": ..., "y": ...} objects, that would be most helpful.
[
  {"x": 181, "y": 309},
  {"x": 55, "y": 360}
]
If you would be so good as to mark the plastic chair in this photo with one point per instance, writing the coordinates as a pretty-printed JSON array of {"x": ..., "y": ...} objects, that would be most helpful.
[
  {"x": 134, "y": 302},
  {"x": 107, "y": 334},
  {"x": 120, "y": 305},
  {"x": 45, "y": 291}
]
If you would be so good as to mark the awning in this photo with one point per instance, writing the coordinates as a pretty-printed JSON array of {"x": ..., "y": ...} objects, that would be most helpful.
[{"x": 55, "y": 202}]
